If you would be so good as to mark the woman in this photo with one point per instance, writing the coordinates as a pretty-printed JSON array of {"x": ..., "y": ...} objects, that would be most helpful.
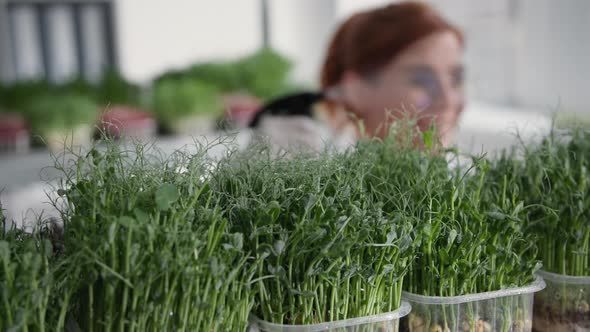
[{"x": 401, "y": 58}]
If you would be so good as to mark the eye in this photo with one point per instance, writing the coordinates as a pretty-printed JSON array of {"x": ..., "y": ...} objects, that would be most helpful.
[
  {"x": 458, "y": 76},
  {"x": 424, "y": 79}
]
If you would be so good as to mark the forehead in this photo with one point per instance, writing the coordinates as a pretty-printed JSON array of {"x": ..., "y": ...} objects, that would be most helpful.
[{"x": 438, "y": 49}]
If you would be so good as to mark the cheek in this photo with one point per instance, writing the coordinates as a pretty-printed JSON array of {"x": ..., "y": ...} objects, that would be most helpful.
[
  {"x": 402, "y": 98},
  {"x": 391, "y": 103},
  {"x": 445, "y": 120},
  {"x": 417, "y": 100}
]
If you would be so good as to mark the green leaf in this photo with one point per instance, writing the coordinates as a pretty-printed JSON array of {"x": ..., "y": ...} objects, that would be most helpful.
[
  {"x": 278, "y": 247},
  {"x": 4, "y": 251},
  {"x": 518, "y": 208},
  {"x": 214, "y": 266},
  {"x": 452, "y": 237},
  {"x": 427, "y": 229},
  {"x": 127, "y": 221},
  {"x": 391, "y": 236},
  {"x": 166, "y": 195},
  {"x": 274, "y": 209},
  {"x": 429, "y": 139},
  {"x": 141, "y": 216},
  {"x": 444, "y": 256},
  {"x": 111, "y": 232},
  {"x": 238, "y": 240}
]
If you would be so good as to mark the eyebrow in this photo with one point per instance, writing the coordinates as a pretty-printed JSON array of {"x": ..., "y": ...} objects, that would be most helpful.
[
  {"x": 424, "y": 68},
  {"x": 418, "y": 68}
]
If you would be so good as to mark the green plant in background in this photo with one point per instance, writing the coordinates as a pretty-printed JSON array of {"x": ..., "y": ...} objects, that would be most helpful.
[
  {"x": 16, "y": 96},
  {"x": 78, "y": 86},
  {"x": 264, "y": 74},
  {"x": 150, "y": 249},
  {"x": 571, "y": 120},
  {"x": 225, "y": 76},
  {"x": 114, "y": 89},
  {"x": 2, "y": 217},
  {"x": 177, "y": 100},
  {"x": 49, "y": 113},
  {"x": 111, "y": 89}
]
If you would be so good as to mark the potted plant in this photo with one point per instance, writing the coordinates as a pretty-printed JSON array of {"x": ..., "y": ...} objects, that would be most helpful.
[
  {"x": 263, "y": 74},
  {"x": 328, "y": 259},
  {"x": 16, "y": 96},
  {"x": 474, "y": 266},
  {"x": 554, "y": 179},
  {"x": 121, "y": 113},
  {"x": 145, "y": 249},
  {"x": 14, "y": 135},
  {"x": 61, "y": 120},
  {"x": 114, "y": 89},
  {"x": 119, "y": 121},
  {"x": 186, "y": 106}
]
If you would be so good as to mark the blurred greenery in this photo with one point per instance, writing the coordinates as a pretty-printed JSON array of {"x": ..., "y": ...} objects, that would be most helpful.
[
  {"x": 15, "y": 96},
  {"x": 112, "y": 89},
  {"x": 177, "y": 99},
  {"x": 59, "y": 111},
  {"x": 174, "y": 95},
  {"x": 264, "y": 74},
  {"x": 570, "y": 120}
]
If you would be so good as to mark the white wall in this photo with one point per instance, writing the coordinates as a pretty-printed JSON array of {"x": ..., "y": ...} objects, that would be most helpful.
[
  {"x": 554, "y": 54},
  {"x": 6, "y": 66},
  {"x": 346, "y": 8},
  {"x": 301, "y": 29},
  {"x": 157, "y": 35}
]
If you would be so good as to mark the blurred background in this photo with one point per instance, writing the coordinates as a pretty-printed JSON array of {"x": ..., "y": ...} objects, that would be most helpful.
[{"x": 70, "y": 70}]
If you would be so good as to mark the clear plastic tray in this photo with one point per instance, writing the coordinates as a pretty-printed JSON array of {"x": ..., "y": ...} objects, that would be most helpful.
[
  {"x": 564, "y": 305},
  {"x": 506, "y": 310},
  {"x": 387, "y": 322}
]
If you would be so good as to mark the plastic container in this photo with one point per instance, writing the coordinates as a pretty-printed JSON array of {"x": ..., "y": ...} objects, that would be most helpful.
[
  {"x": 387, "y": 322},
  {"x": 498, "y": 311},
  {"x": 564, "y": 305}
]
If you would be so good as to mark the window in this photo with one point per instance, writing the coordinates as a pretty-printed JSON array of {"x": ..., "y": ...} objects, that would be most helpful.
[{"x": 57, "y": 40}]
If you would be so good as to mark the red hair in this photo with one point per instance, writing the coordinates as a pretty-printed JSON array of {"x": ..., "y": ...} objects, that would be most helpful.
[{"x": 369, "y": 40}]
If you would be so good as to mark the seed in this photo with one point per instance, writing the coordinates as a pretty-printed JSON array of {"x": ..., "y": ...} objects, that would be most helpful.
[
  {"x": 483, "y": 326},
  {"x": 436, "y": 328},
  {"x": 519, "y": 326},
  {"x": 466, "y": 326},
  {"x": 416, "y": 321},
  {"x": 421, "y": 328}
]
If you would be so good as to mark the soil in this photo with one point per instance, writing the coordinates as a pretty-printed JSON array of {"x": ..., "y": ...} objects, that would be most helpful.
[{"x": 547, "y": 319}]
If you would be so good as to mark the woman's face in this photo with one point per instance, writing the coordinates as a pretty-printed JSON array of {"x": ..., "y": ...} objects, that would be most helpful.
[{"x": 426, "y": 80}]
